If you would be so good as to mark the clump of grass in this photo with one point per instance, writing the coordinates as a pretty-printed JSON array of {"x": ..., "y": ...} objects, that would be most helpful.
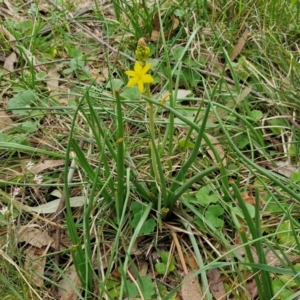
[{"x": 195, "y": 154}]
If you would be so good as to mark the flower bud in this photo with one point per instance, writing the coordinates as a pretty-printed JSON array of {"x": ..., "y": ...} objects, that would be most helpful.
[{"x": 142, "y": 51}]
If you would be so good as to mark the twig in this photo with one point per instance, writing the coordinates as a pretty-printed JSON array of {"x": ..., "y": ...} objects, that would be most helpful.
[{"x": 175, "y": 238}]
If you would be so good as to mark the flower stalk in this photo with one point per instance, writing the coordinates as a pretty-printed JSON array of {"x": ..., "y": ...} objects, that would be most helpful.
[{"x": 142, "y": 79}]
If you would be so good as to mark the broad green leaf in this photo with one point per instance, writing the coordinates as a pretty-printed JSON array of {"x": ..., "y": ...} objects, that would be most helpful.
[
  {"x": 29, "y": 126},
  {"x": 132, "y": 289},
  {"x": 21, "y": 102},
  {"x": 256, "y": 115},
  {"x": 161, "y": 268},
  {"x": 295, "y": 177},
  {"x": 276, "y": 124},
  {"x": 165, "y": 257},
  {"x": 213, "y": 213},
  {"x": 279, "y": 285},
  {"x": 148, "y": 287},
  {"x": 177, "y": 52},
  {"x": 285, "y": 238},
  {"x": 147, "y": 227},
  {"x": 114, "y": 84},
  {"x": 132, "y": 93},
  {"x": 137, "y": 207},
  {"x": 186, "y": 144},
  {"x": 205, "y": 197}
]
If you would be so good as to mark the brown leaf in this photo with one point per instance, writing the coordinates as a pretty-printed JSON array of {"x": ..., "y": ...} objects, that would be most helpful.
[
  {"x": 34, "y": 236},
  {"x": 5, "y": 121},
  {"x": 244, "y": 93},
  {"x": 191, "y": 261},
  {"x": 10, "y": 7},
  {"x": 216, "y": 285},
  {"x": 219, "y": 148},
  {"x": 154, "y": 36},
  {"x": 53, "y": 78},
  {"x": 10, "y": 61},
  {"x": 190, "y": 288},
  {"x": 35, "y": 264},
  {"x": 97, "y": 76},
  {"x": 283, "y": 168},
  {"x": 271, "y": 258},
  {"x": 156, "y": 27},
  {"x": 47, "y": 164},
  {"x": 252, "y": 288},
  {"x": 5, "y": 13},
  {"x": 240, "y": 45},
  {"x": 251, "y": 200},
  {"x": 66, "y": 291},
  {"x": 156, "y": 22}
]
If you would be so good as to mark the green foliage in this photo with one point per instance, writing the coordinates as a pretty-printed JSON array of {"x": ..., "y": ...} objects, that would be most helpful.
[
  {"x": 256, "y": 115},
  {"x": 205, "y": 196},
  {"x": 226, "y": 120},
  {"x": 21, "y": 102},
  {"x": 138, "y": 210},
  {"x": 4, "y": 218},
  {"x": 167, "y": 265},
  {"x": 213, "y": 213},
  {"x": 285, "y": 235},
  {"x": 146, "y": 287}
]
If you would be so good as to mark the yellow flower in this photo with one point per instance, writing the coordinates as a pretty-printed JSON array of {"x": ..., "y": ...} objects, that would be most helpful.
[{"x": 139, "y": 76}]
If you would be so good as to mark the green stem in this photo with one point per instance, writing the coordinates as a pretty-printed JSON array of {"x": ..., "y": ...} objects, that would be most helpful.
[
  {"x": 119, "y": 195},
  {"x": 152, "y": 133}
]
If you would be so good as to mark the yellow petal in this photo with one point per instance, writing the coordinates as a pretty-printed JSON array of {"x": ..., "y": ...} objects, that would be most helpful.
[
  {"x": 132, "y": 82},
  {"x": 138, "y": 68},
  {"x": 147, "y": 78},
  {"x": 141, "y": 86},
  {"x": 146, "y": 68},
  {"x": 130, "y": 73}
]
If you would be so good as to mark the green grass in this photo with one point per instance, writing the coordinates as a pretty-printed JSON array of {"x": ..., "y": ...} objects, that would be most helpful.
[{"x": 199, "y": 156}]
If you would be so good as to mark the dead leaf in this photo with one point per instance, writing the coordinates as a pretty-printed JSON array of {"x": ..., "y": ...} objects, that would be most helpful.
[
  {"x": 283, "y": 168},
  {"x": 47, "y": 164},
  {"x": 20, "y": 50},
  {"x": 53, "y": 78},
  {"x": 5, "y": 13},
  {"x": 66, "y": 290},
  {"x": 218, "y": 147},
  {"x": 155, "y": 34},
  {"x": 97, "y": 76},
  {"x": 191, "y": 261},
  {"x": 9, "y": 5},
  {"x": 10, "y": 61},
  {"x": 244, "y": 93},
  {"x": 271, "y": 258},
  {"x": 34, "y": 236},
  {"x": 216, "y": 285},
  {"x": 36, "y": 264},
  {"x": 143, "y": 268},
  {"x": 190, "y": 288},
  {"x": 251, "y": 200},
  {"x": 240, "y": 45},
  {"x": 5, "y": 121},
  {"x": 252, "y": 288}
]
